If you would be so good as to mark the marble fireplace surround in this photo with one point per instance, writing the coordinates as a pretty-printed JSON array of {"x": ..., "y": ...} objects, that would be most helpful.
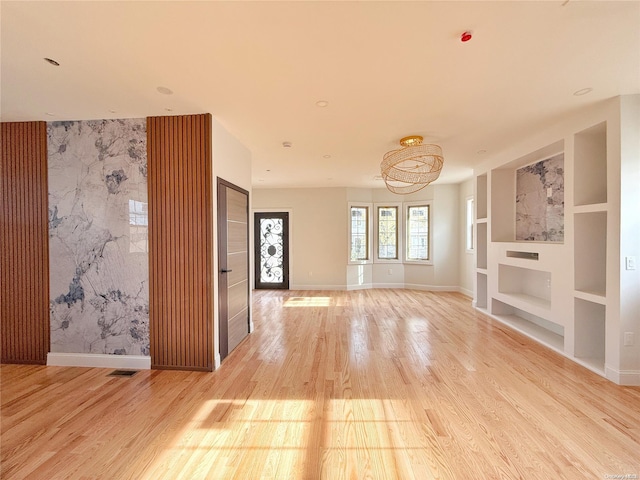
[{"x": 99, "y": 274}]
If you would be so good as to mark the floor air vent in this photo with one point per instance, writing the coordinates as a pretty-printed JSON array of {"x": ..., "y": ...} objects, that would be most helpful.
[{"x": 123, "y": 373}]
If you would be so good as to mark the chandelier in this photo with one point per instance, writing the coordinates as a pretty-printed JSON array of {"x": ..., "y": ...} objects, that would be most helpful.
[{"x": 412, "y": 167}]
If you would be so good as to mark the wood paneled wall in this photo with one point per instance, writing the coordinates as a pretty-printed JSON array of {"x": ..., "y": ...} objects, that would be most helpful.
[
  {"x": 24, "y": 245},
  {"x": 180, "y": 241}
]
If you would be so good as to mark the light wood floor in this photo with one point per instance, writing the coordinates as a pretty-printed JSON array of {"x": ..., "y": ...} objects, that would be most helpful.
[{"x": 378, "y": 384}]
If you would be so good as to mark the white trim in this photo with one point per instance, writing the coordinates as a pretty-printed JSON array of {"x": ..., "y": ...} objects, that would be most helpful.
[
  {"x": 466, "y": 225},
  {"x": 464, "y": 291},
  {"x": 318, "y": 287},
  {"x": 216, "y": 361},
  {"x": 399, "y": 232},
  {"x": 370, "y": 286},
  {"x": 623, "y": 377},
  {"x": 369, "y": 207},
  {"x": 400, "y": 286},
  {"x": 431, "y": 288},
  {"x": 364, "y": 286},
  {"x": 405, "y": 229},
  {"x": 96, "y": 360}
]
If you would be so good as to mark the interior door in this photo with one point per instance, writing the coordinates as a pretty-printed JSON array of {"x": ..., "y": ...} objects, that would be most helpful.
[
  {"x": 271, "y": 243},
  {"x": 233, "y": 265}
]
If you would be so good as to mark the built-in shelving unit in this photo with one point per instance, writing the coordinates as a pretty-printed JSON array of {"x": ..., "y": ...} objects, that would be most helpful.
[
  {"x": 563, "y": 294},
  {"x": 590, "y": 216}
]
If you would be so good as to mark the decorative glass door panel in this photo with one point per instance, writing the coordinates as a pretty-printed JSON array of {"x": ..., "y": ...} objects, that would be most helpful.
[{"x": 272, "y": 250}]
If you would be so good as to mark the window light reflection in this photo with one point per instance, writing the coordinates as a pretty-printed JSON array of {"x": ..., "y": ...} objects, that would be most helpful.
[{"x": 308, "y": 302}]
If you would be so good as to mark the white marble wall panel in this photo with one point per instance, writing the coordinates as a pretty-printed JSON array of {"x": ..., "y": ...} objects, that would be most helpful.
[
  {"x": 540, "y": 201},
  {"x": 99, "y": 272}
]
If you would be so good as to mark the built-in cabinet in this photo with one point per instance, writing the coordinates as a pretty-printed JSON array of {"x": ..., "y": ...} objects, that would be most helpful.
[{"x": 564, "y": 294}]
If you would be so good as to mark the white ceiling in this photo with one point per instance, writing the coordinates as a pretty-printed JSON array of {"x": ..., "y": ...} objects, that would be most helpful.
[{"x": 387, "y": 69}]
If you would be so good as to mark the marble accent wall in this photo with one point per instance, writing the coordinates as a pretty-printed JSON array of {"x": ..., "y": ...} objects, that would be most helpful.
[
  {"x": 540, "y": 201},
  {"x": 99, "y": 273}
]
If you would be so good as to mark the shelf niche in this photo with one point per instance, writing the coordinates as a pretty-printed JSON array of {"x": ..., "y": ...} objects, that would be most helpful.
[
  {"x": 590, "y": 166},
  {"x": 481, "y": 247},
  {"x": 525, "y": 284},
  {"x": 481, "y": 194},
  {"x": 535, "y": 327},
  {"x": 590, "y": 252},
  {"x": 481, "y": 290},
  {"x": 589, "y": 341}
]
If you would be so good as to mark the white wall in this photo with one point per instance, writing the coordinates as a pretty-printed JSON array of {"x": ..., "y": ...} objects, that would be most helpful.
[
  {"x": 231, "y": 162},
  {"x": 319, "y": 238},
  {"x": 466, "y": 258},
  {"x": 630, "y": 230},
  {"x": 317, "y": 233}
]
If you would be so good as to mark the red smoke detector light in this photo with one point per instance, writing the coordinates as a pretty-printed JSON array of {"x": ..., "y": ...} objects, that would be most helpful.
[{"x": 465, "y": 37}]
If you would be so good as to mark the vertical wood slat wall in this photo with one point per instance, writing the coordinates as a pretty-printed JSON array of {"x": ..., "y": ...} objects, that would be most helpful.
[
  {"x": 180, "y": 239},
  {"x": 24, "y": 243}
]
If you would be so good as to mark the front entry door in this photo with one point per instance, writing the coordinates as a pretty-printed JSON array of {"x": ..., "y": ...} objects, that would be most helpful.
[
  {"x": 271, "y": 231},
  {"x": 233, "y": 266}
]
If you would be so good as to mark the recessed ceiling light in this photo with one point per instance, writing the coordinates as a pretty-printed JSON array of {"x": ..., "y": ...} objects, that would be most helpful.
[
  {"x": 287, "y": 144},
  {"x": 168, "y": 109},
  {"x": 326, "y": 156},
  {"x": 268, "y": 170},
  {"x": 480, "y": 152},
  {"x": 50, "y": 114},
  {"x": 322, "y": 103},
  {"x": 582, "y": 91},
  {"x": 51, "y": 61},
  {"x": 165, "y": 90},
  {"x": 112, "y": 111}
]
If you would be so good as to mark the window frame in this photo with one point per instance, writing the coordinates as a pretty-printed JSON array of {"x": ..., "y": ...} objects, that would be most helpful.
[
  {"x": 405, "y": 252},
  {"x": 469, "y": 224},
  {"x": 399, "y": 232},
  {"x": 369, "y": 237}
]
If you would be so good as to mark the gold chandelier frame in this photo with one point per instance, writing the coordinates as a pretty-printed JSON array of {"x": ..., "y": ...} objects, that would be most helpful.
[{"x": 412, "y": 167}]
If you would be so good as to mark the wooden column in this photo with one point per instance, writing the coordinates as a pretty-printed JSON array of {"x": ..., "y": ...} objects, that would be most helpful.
[
  {"x": 24, "y": 243},
  {"x": 180, "y": 242}
]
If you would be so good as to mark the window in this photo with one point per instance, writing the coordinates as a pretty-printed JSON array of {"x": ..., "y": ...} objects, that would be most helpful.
[
  {"x": 417, "y": 248},
  {"x": 469, "y": 224},
  {"x": 359, "y": 233},
  {"x": 388, "y": 233}
]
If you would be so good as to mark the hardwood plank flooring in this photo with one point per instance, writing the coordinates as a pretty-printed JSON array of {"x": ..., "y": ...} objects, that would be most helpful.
[{"x": 372, "y": 384}]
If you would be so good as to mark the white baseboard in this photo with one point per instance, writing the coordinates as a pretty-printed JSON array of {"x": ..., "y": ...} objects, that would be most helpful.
[
  {"x": 132, "y": 362},
  {"x": 630, "y": 378},
  {"x": 369, "y": 286},
  {"x": 431, "y": 288},
  {"x": 466, "y": 292},
  {"x": 318, "y": 287}
]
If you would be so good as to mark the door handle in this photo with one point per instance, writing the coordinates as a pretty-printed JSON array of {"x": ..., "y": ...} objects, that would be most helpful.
[{"x": 224, "y": 270}]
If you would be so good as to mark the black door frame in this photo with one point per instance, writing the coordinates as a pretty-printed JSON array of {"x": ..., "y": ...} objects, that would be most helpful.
[{"x": 284, "y": 285}]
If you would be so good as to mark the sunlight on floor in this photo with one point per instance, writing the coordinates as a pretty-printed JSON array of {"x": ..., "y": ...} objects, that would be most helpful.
[
  {"x": 291, "y": 439},
  {"x": 308, "y": 302}
]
